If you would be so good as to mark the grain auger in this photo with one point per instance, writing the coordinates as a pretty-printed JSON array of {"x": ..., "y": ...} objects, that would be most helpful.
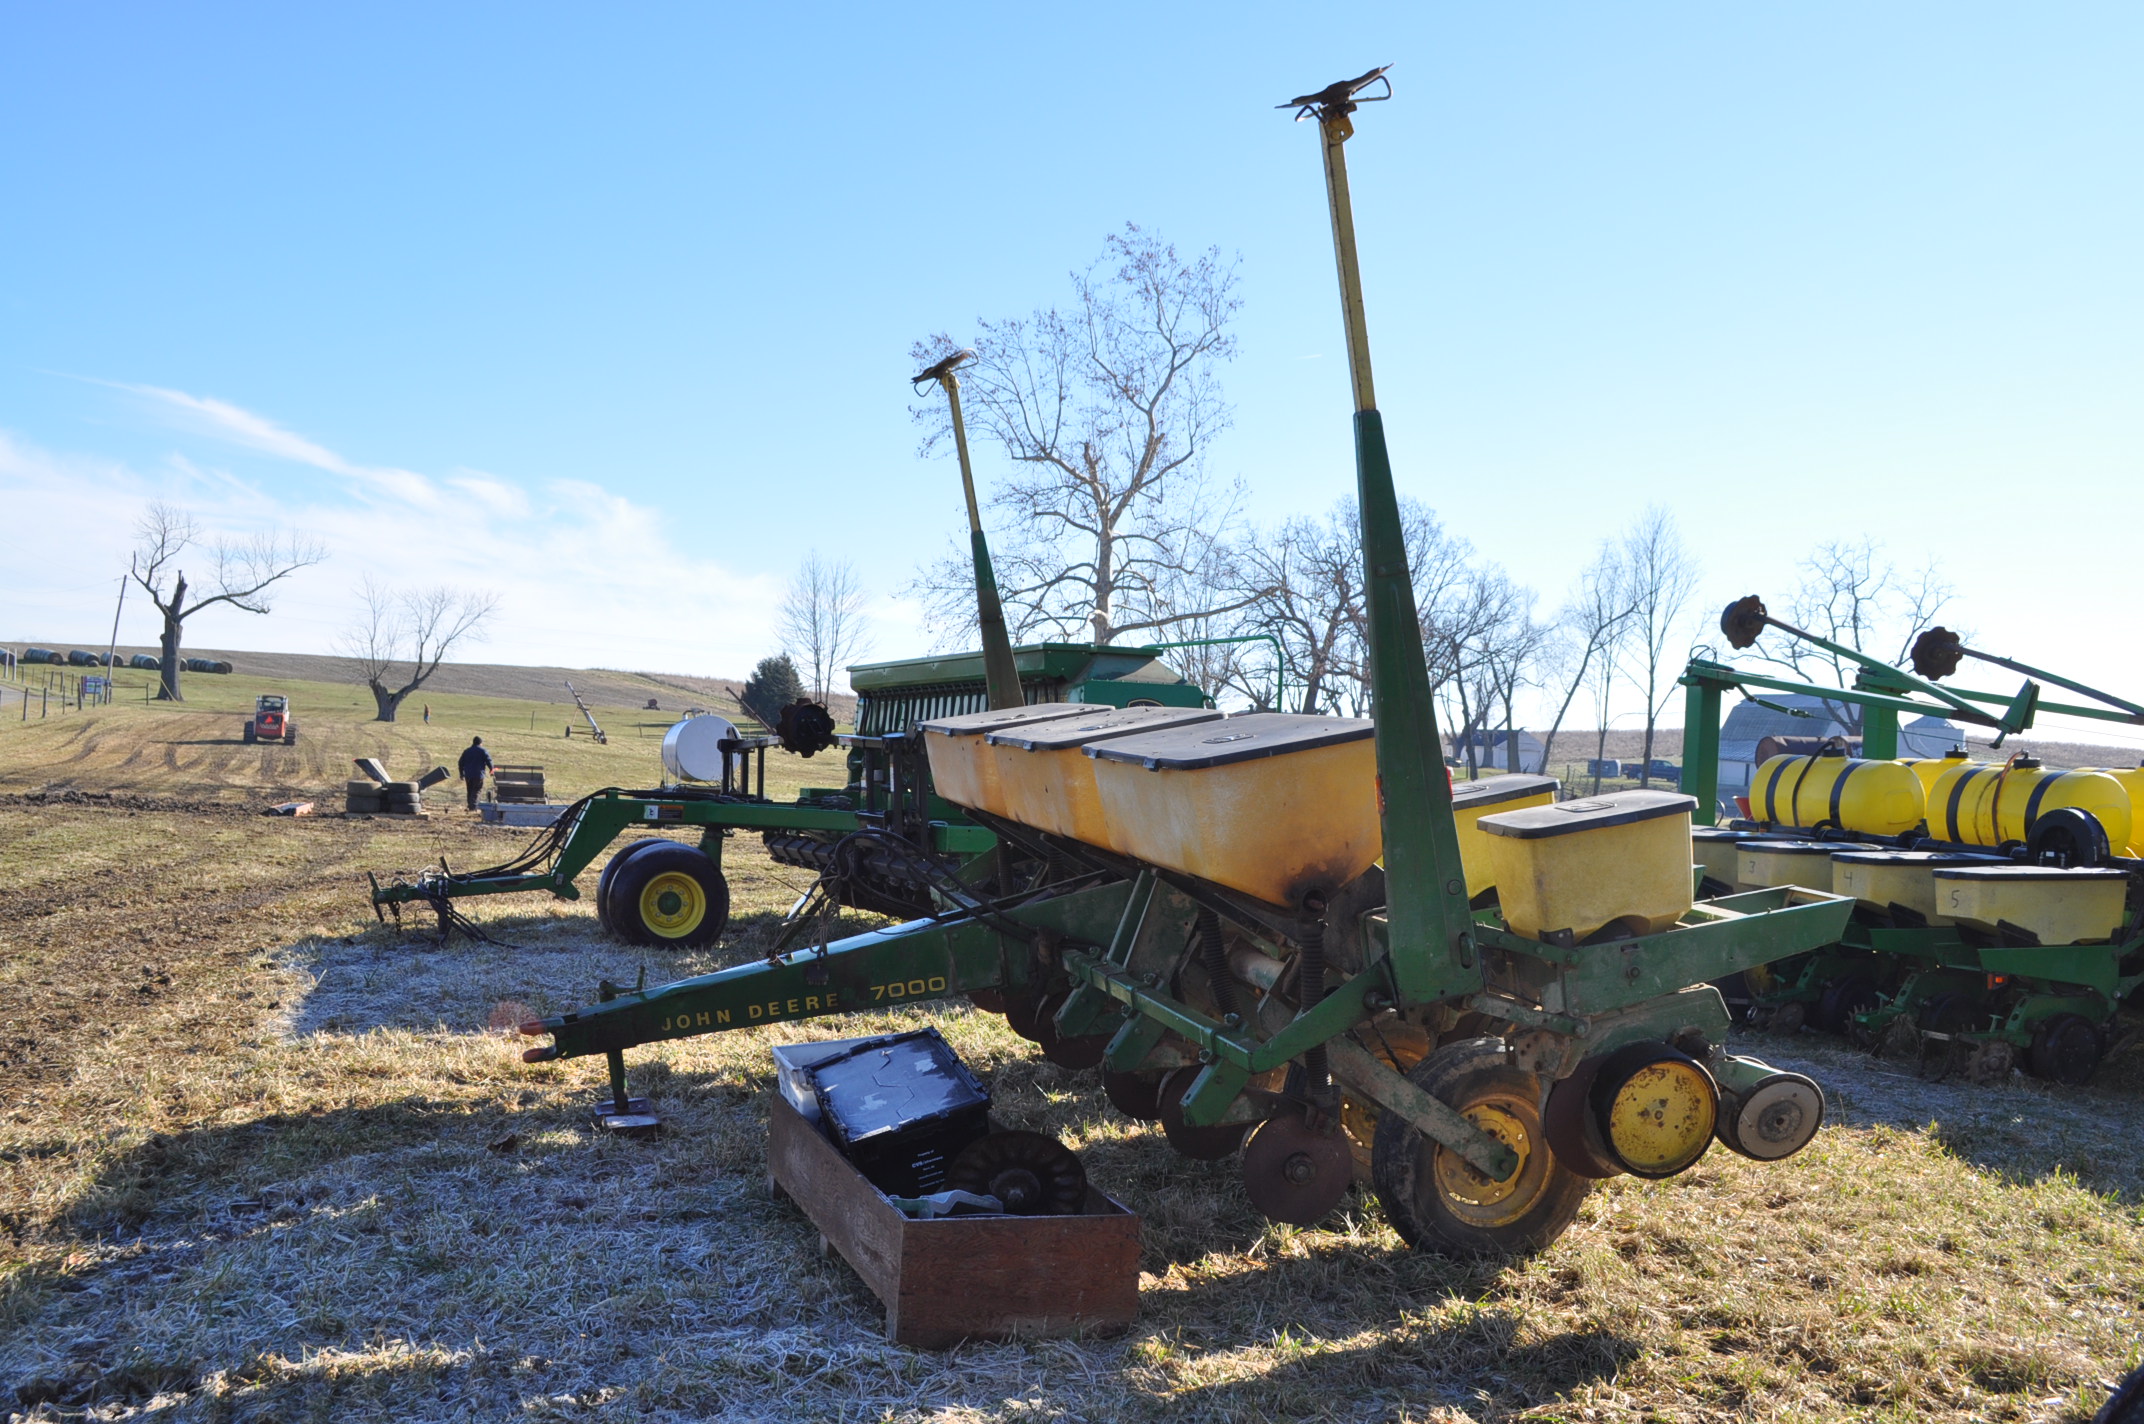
[{"x": 1260, "y": 929}]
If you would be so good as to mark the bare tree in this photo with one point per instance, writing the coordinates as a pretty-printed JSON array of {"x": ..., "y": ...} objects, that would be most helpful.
[
  {"x": 1852, "y": 595},
  {"x": 402, "y": 635},
  {"x": 1304, "y": 580},
  {"x": 1662, "y": 577},
  {"x": 241, "y": 573},
  {"x": 822, "y": 619},
  {"x": 1106, "y": 411},
  {"x": 1589, "y": 631},
  {"x": 1309, "y": 576},
  {"x": 1466, "y": 613},
  {"x": 1487, "y": 641}
]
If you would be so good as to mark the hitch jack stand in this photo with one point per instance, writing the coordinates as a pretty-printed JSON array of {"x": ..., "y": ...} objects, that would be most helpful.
[{"x": 619, "y": 1113}]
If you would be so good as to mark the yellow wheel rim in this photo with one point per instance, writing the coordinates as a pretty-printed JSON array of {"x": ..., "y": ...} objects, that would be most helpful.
[
  {"x": 1662, "y": 1117},
  {"x": 1472, "y": 1195},
  {"x": 672, "y": 904}
]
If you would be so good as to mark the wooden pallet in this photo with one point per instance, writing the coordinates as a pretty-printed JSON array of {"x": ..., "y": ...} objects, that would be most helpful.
[
  {"x": 518, "y": 784},
  {"x": 962, "y": 1277}
]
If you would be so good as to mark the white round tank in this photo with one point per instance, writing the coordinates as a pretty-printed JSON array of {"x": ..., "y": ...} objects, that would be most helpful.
[{"x": 692, "y": 750}]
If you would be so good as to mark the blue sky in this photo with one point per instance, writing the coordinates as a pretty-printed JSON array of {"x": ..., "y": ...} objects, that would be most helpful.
[{"x": 608, "y": 309}]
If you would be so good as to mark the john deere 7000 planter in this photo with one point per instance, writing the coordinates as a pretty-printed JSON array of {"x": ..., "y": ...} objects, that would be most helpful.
[{"x": 1260, "y": 929}]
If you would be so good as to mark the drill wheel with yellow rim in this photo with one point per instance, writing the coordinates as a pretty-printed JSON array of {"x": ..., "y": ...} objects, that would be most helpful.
[
  {"x": 671, "y": 895},
  {"x": 1436, "y": 1201}
]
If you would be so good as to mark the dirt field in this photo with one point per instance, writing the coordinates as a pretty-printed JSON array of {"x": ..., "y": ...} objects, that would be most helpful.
[{"x": 262, "y": 1159}]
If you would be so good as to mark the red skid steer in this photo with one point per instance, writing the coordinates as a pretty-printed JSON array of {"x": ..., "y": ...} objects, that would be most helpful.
[{"x": 271, "y": 720}]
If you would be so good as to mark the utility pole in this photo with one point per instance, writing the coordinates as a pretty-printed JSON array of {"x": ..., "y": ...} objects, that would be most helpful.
[{"x": 111, "y": 651}]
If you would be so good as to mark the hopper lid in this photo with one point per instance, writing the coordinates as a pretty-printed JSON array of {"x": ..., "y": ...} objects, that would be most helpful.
[
  {"x": 2043, "y": 873},
  {"x": 1592, "y": 813},
  {"x": 1467, "y": 795},
  {"x": 974, "y": 724},
  {"x": 1062, "y": 733},
  {"x": 1914, "y": 857},
  {"x": 1237, "y": 739},
  {"x": 1792, "y": 847}
]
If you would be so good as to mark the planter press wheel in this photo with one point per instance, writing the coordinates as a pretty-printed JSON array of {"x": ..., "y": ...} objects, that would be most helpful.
[
  {"x": 1844, "y": 997},
  {"x": 2066, "y": 1049},
  {"x": 604, "y": 913},
  {"x": 1950, "y": 1011},
  {"x": 1436, "y": 1201},
  {"x": 672, "y": 895}
]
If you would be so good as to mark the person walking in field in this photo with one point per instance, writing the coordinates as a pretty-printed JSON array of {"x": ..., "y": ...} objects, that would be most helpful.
[
  {"x": 427, "y": 714},
  {"x": 474, "y": 763}
]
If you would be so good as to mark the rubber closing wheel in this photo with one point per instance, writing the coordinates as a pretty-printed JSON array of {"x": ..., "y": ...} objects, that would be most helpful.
[
  {"x": 618, "y": 861},
  {"x": 670, "y": 895},
  {"x": 1842, "y": 999},
  {"x": 1030, "y": 1173},
  {"x": 1776, "y": 1118},
  {"x": 1439, "y": 1203},
  {"x": 2066, "y": 1049}
]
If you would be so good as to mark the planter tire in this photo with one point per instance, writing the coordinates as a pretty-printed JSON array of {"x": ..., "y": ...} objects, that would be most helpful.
[
  {"x": 604, "y": 913},
  {"x": 1436, "y": 1201},
  {"x": 671, "y": 896}
]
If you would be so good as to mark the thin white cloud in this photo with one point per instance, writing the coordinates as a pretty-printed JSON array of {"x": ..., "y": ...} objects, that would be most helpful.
[
  {"x": 497, "y": 495},
  {"x": 242, "y": 427},
  {"x": 222, "y": 420},
  {"x": 585, "y": 576}
]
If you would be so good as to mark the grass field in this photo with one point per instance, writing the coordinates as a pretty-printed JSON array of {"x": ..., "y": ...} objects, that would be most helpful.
[{"x": 263, "y": 1159}]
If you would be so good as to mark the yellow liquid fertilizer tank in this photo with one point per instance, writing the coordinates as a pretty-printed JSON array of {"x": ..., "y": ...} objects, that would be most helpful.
[
  {"x": 2132, "y": 779},
  {"x": 963, "y": 770},
  {"x": 1986, "y": 805},
  {"x": 1571, "y": 870},
  {"x": 1046, "y": 781},
  {"x": 1472, "y": 800},
  {"x": 1276, "y": 805},
  {"x": 1930, "y": 770},
  {"x": 1875, "y": 798}
]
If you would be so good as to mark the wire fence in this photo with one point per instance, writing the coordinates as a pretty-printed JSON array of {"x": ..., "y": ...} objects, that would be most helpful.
[{"x": 40, "y": 690}]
